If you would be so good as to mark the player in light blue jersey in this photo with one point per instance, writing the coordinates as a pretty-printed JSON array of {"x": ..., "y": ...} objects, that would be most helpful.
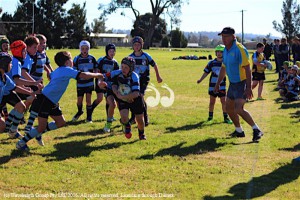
[
  {"x": 84, "y": 62},
  {"x": 143, "y": 61},
  {"x": 50, "y": 96},
  {"x": 8, "y": 95}
]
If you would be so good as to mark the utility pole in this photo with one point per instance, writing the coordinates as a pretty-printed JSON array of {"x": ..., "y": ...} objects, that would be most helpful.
[
  {"x": 242, "y": 27},
  {"x": 33, "y": 2}
]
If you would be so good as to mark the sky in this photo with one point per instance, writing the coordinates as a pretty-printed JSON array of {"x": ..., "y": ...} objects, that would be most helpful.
[{"x": 198, "y": 15}]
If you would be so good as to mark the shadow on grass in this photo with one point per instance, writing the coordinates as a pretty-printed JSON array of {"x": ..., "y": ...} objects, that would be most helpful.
[
  {"x": 76, "y": 149},
  {"x": 191, "y": 126},
  {"x": 294, "y": 149},
  {"x": 289, "y": 105},
  {"x": 13, "y": 155},
  {"x": 209, "y": 145},
  {"x": 262, "y": 185}
]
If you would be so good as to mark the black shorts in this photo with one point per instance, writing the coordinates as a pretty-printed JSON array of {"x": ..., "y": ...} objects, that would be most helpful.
[
  {"x": 143, "y": 86},
  {"x": 137, "y": 107},
  {"x": 23, "y": 96},
  {"x": 35, "y": 105},
  {"x": 12, "y": 99},
  {"x": 237, "y": 90},
  {"x": 109, "y": 92},
  {"x": 221, "y": 93},
  {"x": 258, "y": 76},
  {"x": 46, "y": 107},
  {"x": 84, "y": 90}
]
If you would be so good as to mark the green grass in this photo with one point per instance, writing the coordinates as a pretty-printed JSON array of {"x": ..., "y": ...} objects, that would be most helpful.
[{"x": 183, "y": 157}]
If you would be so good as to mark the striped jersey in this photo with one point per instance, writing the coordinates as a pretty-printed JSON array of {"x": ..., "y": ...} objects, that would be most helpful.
[
  {"x": 38, "y": 69},
  {"x": 107, "y": 65},
  {"x": 88, "y": 64},
  {"x": 142, "y": 63},
  {"x": 214, "y": 67}
]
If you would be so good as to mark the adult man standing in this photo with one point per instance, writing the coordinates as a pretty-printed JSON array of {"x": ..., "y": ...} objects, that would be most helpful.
[
  {"x": 237, "y": 67},
  {"x": 267, "y": 50}
]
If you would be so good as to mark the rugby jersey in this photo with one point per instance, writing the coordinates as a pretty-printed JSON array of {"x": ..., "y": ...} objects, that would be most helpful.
[
  {"x": 87, "y": 64},
  {"x": 107, "y": 65},
  {"x": 38, "y": 69},
  {"x": 214, "y": 67}
]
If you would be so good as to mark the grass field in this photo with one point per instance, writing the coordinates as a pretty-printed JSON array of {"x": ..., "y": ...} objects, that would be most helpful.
[{"x": 182, "y": 158}]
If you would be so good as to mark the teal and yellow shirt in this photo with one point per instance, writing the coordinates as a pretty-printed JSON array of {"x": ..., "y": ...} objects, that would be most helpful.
[{"x": 233, "y": 60}]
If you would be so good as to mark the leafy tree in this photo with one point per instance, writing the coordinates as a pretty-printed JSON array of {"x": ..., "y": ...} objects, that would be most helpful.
[
  {"x": 76, "y": 19},
  {"x": 23, "y": 14},
  {"x": 98, "y": 26},
  {"x": 165, "y": 42},
  {"x": 142, "y": 25},
  {"x": 178, "y": 40},
  {"x": 157, "y": 8},
  {"x": 291, "y": 19},
  {"x": 50, "y": 21}
]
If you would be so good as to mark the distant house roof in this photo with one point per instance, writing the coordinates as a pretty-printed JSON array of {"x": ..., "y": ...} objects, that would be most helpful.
[
  {"x": 192, "y": 45},
  {"x": 108, "y": 35}
]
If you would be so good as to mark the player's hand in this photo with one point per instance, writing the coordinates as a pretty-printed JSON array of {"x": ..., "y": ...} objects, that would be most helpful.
[
  {"x": 102, "y": 84},
  {"x": 159, "y": 79},
  {"x": 248, "y": 93},
  {"x": 198, "y": 81},
  {"x": 217, "y": 88}
]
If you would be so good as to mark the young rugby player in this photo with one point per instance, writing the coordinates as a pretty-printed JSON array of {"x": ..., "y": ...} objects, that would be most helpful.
[
  {"x": 51, "y": 94},
  {"x": 107, "y": 64},
  {"x": 126, "y": 87},
  {"x": 84, "y": 62},
  {"x": 143, "y": 60},
  {"x": 42, "y": 64},
  {"x": 214, "y": 67},
  {"x": 258, "y": 69}
]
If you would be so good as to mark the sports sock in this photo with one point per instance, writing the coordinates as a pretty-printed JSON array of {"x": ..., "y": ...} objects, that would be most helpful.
[
  {"x": 239, "y": 129},
  {"x": 9, "y": 119},
  {"x": 4, "y": 109},
  {"x": 31, "y": 119},
  {"x": 255, "y": 127},
  {"x": 16, "y": 120},
  {"x": 225, "y": 115},
  {"x": 79, "y": 107},
  {"x": 89, "y": 110},
  {"x": 32, "y": 134},
  {"x": 210, "y": 115}
]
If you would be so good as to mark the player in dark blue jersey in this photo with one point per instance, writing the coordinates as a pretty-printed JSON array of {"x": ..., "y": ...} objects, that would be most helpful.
[
  {"x": 84, "y": 62},
  {"x": 107, "y": 64},
  {"x": 42, "y": 64},
  {"x": 126, "y": 87},
  {"x": 214, "y": 67},
  {"x": 51, "y": 94},
  {"x": 143, "y": 60}
]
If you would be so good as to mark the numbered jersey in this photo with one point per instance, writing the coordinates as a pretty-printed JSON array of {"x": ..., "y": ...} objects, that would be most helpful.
[
  {"x": 88, "y": 64},
  {"x": 142, "y": 63}
]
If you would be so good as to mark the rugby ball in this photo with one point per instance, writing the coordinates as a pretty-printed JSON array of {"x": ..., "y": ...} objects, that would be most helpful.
[
  {"x": 124, "y": 89},
  {"x": 269, "y": 64}
]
